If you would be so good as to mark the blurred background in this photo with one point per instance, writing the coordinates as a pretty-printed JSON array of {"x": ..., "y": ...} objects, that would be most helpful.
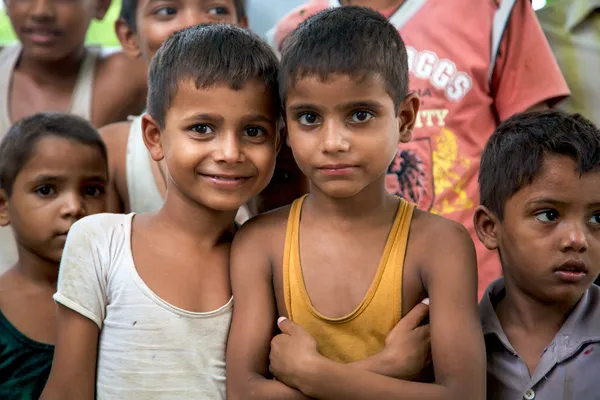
[{"x": 262, "y": 15}]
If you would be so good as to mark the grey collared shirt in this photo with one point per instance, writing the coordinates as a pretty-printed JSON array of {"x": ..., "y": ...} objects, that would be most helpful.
[{"x": 569, "y": 367}]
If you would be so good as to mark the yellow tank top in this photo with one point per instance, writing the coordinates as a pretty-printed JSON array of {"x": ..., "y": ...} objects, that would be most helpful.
[{"x": 362, "y": 333}]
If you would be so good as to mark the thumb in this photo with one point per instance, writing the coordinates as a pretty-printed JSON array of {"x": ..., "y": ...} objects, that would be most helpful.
[
  {"x": 415, "y": 316},
  {"x": 288, "y": 327}
]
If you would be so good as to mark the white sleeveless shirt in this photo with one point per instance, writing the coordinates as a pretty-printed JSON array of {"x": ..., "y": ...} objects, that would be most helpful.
[{"x": 81, "y": 105}]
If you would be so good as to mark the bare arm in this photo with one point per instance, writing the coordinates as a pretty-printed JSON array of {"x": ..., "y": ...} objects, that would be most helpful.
[
  {"x": 73, "y": 374},
  {"x": 456, "y": 339},
  {"x": 254, "y": 317},
  {"x": 115, "y": 137}
]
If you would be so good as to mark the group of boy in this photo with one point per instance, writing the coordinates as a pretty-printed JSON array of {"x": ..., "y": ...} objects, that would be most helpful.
[{"x": 379, "y": 298}]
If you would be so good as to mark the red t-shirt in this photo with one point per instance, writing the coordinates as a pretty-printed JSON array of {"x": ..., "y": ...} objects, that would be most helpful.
[{"x": 449, "y": 51}]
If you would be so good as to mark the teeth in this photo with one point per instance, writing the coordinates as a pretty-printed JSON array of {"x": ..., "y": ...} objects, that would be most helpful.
[{"x": 226, "y": 178}]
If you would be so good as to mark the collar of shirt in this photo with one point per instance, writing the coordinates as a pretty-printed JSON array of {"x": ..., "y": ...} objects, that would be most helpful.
[
  {"x": 582, "y": 327},
  {"x": 579, "y": 10}
]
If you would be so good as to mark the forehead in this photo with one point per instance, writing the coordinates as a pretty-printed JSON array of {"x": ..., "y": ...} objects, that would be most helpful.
[
  {"x": 141, "y": 4},
  {"x": 559, "y": 180},
  {"x": 336, "y": 87},
  {"x": 253, "y": 98},
  {"x": 53, "y": 155}
]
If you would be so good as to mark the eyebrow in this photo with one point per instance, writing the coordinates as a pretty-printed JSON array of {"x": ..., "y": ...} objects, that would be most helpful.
[
  {"x": 56, "y": 178},
  {"x": 350, "y": 105},
  {"x": 257, "y": 118},
  {"x": 547, "y": 200}
]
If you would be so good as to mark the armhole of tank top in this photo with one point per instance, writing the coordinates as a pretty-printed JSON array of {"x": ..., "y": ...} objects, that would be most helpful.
[
  {"x": 82, "y": 99},
  {"x": 405, "y": 225},
  {"x": 291, "y": 236},
  {"x": 130, "y": 159},
  {"x": 9, "y": 55}
]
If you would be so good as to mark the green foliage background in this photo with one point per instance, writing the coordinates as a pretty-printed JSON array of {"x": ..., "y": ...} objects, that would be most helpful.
[{"x": 100, "y": 32}]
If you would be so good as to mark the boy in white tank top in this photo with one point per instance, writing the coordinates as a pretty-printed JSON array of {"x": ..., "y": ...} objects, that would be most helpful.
[
  {"x": 137, "y": 183},
  {"x": 144, "y": 299},
  {"x": 51, "y": 70}
]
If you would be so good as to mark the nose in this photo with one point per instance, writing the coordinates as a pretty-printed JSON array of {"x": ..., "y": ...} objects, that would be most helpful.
[
  {"x": 42, "y": 10},
  {"x": 229, "y": 149},
  {"x": 73, "y": 206},
  {"x": 575, "y": 237},
  {"x": 335, "y": 140}
]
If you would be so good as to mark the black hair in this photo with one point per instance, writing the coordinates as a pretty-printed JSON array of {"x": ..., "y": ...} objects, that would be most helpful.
[
  {"x": 515, "y": 152},
  {"x": 129, "y": 10},
  {"x": 209, "y": 54},
  {"x": 18, "y": 146},
  {"x": 350, "y": 40}
]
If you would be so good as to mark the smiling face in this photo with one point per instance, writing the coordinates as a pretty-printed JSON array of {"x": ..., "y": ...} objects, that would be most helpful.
[
  {"x": 219, "y": 144},
  {"x": 344, "y": 132},
  {"x": 157, "y": 20},
  {"x": 549, "y": 239},
  {"x": 51, "y": 30},
  {"x": 52, "y": 191}
]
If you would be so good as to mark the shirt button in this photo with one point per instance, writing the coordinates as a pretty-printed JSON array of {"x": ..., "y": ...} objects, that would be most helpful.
[{"x": 529, "y": 395}]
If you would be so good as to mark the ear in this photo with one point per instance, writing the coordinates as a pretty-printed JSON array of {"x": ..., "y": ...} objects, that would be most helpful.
[
  {"x": 487, "y": 227},
  {"x": 127, "y": 38},
  {"x": 282, "y": 136},
  {"x": 243, "y": 22},
  {"x": 101, "y": 9},
  {"x": 407, "y": 116},
  {"x": 152, "y": 137},
  {"x": 4, "y": 220}
]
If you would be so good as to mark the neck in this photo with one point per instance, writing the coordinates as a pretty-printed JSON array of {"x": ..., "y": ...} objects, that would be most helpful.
[
  {"x": 182, "y": 217},
  {"x": 375, "y": 4},
  {"x": 372, "y": 201},
  {"x": 51, "y": 71},
  {"x": 532, "y": 315},
  {"x": 39, "y": 270}
]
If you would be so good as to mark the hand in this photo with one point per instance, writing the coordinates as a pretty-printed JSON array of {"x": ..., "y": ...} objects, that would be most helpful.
[
  {"x": 291, "y": 353},
  {"x": 407, "y": 348}
]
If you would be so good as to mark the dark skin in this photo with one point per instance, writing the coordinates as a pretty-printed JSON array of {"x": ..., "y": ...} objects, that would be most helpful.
[
  {"x": 52, "y": 34},
  {"x": 555, "y": 219},
  {"x": 50, "y": 193},
  {"x": 343, "y": 228},
  {"x": 156, "y": 22}
]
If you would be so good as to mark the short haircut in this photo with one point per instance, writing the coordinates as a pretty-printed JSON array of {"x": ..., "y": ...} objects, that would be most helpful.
[
  {"x": 514, "y": 154},
  {"x": 18, "y": 146},
  {"x": 209, "y": 55},
  {"x": 129, "y": 11},
  {"x": 350, "y": 40}
]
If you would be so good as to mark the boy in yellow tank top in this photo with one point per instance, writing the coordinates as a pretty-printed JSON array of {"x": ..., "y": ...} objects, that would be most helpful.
[{"x": 342, "y": 265}]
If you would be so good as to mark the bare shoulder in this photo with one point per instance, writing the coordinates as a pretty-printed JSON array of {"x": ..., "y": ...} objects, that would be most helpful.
[
  {"x": 265, "y": 232},
  {"x": 115, "y": 134}
]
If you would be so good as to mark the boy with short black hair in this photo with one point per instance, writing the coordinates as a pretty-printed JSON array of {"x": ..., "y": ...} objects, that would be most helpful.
[
  {"x": 540, "y": 209},
  {"x": 53, "y": 171},
  {"x": 138, "y": 184},
  {"x": 50, "y": 69},
  {"x": 347, "y": 266},
  {"x": 144, "y": 299}
]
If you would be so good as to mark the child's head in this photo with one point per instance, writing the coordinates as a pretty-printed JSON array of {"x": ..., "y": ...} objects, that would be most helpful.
[
  {"x": 213, "y": 111},
  {"x": 50, "y": 30},
  {"x": 344, "y": 85},
  {"x": 540, "y": 203},
  {"x": 145, "y": 25},
  {"x": 53, "y": 170}
]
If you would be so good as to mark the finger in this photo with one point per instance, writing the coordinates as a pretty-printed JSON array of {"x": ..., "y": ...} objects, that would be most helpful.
[
  {"x": 289, "y": 328},
  {"x": 415, "y": 316}
]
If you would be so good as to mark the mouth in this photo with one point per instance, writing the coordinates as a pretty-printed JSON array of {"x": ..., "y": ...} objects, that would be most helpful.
[
  {"x": 572, "y": 271},
  {"x": 226, "y": 181},
  {"x": 337, "y": 169},
  {"x": 41, "y": 34}
]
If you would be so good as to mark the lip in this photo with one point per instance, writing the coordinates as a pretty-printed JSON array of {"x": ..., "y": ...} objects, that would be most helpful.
[
  {"x": 572, "y": 271},
  {"x": 41, "y": 35},
  {"x": 226, "y": 181},
  {"x": 337, "y": 169}
]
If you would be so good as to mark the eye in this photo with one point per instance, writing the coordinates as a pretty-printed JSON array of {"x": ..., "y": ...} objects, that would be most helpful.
[
  {"x": 308, "y": 119},
  {"x": 254, "y": 132},
  {"x": 202, "y": 129},
  {"x": 595, "y": 220},
  {"x": 165, "y": 11},
  {"x": 547, "y": 216},
  {"x": 219, "y": 11},
  {"x": 360, "y": 117},
  {"x": 45, "y": 190},
  {"x": 93, "y": 191}
]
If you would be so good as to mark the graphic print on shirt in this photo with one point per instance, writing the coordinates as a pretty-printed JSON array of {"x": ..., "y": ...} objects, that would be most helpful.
[{"x": 430, "y": 165}]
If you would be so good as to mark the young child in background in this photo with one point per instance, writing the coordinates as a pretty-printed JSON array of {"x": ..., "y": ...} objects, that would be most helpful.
[
  {"x": 138, "y": 184},
  {"x": 144, "y": 299},
  {"x": 540, "y": 209},
  {"x": 50, "y": 69},
  {"x": 483, "y": 62},
  {"x": 348, "y": 262},
  {"x": 42, "y": 193}
]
